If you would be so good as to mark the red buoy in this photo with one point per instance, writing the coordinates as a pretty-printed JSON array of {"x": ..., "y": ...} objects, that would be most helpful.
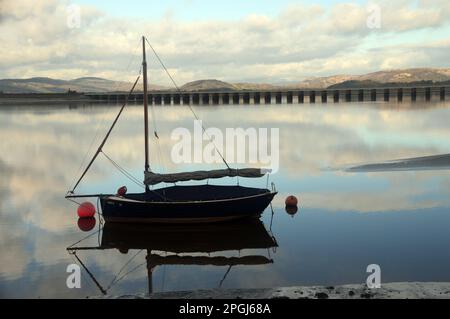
[
  {"x": 122, "y": 191},
  {"x": 86, "y": 210},
  {"x": 291, "y": 201},
  {"x": 292, "y": 210},
  {"x": 86, "y": 224}
]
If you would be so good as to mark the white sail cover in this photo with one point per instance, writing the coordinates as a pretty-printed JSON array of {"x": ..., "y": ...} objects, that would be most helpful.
[{"x": 153, "y": 179}]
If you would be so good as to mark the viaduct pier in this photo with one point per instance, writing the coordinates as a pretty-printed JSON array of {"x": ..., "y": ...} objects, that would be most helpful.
[{"x": 387, "y": 94}]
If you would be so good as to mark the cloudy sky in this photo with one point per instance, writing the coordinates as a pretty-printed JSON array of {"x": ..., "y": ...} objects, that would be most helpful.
[{"x": 252, "y": 41}]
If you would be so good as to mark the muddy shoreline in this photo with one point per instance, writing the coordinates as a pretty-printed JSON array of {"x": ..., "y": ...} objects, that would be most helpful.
[{"x": 402, "y": 290}]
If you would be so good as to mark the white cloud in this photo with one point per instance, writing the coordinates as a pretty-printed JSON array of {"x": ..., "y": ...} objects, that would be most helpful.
[{"x": 301, "y": 41}]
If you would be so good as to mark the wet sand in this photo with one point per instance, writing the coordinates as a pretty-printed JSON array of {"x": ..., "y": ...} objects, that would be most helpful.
[
  {"x": 402, "y": 290},
  {"x": 435, "y": 162}
]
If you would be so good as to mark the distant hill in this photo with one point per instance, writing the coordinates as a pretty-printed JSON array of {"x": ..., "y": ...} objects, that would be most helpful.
[
  {"x": 94, "y": 84},
  {"x": 216, "y": 85},
  {"x": 393, "y": 77},
  {"x": 48, "y": 85},
  {"x": 321, "y": 82},
  {"x": 372, "y": 84},
  {"x": 407, "y": 76},
  {"x": 208, "y": 85},
  {"x": 382, "y": 77},
  {"x": 356, "y": 84},
  {"x": 255, "y": 86}
]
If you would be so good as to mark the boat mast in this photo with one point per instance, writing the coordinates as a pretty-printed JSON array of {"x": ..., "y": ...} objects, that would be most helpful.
[
  {"x": 144, "y": 69},
  {"x": 150, "y": 269}
]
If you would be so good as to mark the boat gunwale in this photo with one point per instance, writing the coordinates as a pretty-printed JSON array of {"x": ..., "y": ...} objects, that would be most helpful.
[{"x": 115, "y": 198}]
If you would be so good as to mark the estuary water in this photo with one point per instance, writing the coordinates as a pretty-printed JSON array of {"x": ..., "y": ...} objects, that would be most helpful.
[{"x": 347, "y": 220}]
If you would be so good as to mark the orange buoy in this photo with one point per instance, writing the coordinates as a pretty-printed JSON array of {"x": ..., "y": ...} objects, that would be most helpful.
[
  {"x": 122, "y": 191},
  {"x": 86, "y": 210},
  {"x": 86, "y": 224},
  {"x": 291, "y": 201}
]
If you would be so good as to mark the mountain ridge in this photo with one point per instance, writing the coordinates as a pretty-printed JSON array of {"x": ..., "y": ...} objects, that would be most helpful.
[{"x": 96, "y": 84}]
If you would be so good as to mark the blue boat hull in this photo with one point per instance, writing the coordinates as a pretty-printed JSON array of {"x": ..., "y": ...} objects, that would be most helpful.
[{"x": 187, "y": 204}]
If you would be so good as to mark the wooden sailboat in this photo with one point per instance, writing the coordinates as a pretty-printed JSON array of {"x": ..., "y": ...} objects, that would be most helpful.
[{"x": 182, "y": 204}]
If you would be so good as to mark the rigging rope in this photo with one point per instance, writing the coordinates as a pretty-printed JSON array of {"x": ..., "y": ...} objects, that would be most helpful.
[
  {"x": 100, "y": 149},
  {"x": 124, "y": 171},
  {"x": 131, "y": 177},
  {"x": 104, "y": 292},
  {"x": 83, "y": 239},
  {"x": 97, "y": 131},
  {"x": 100, "y": 123},
  {"x": 107, "y": 134},
  {"x": 72, "y": 252},
  {"x": 126, "y": 274},
  {"x": 75, "y": 260},
  {"x": 156, "y": 136},
  {"x": 115, "y": 279},
  {"x": 189, "y": 104}
]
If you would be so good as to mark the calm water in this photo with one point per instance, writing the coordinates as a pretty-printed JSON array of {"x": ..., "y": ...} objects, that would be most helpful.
[{"x": 399, "y": 220}]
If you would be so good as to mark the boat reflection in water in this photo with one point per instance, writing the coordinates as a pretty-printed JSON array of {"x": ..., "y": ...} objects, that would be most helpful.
[{"x": 184, "y": 244}]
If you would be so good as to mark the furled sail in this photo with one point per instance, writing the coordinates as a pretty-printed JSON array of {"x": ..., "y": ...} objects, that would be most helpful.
[{"x": 153, "y": 178}]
